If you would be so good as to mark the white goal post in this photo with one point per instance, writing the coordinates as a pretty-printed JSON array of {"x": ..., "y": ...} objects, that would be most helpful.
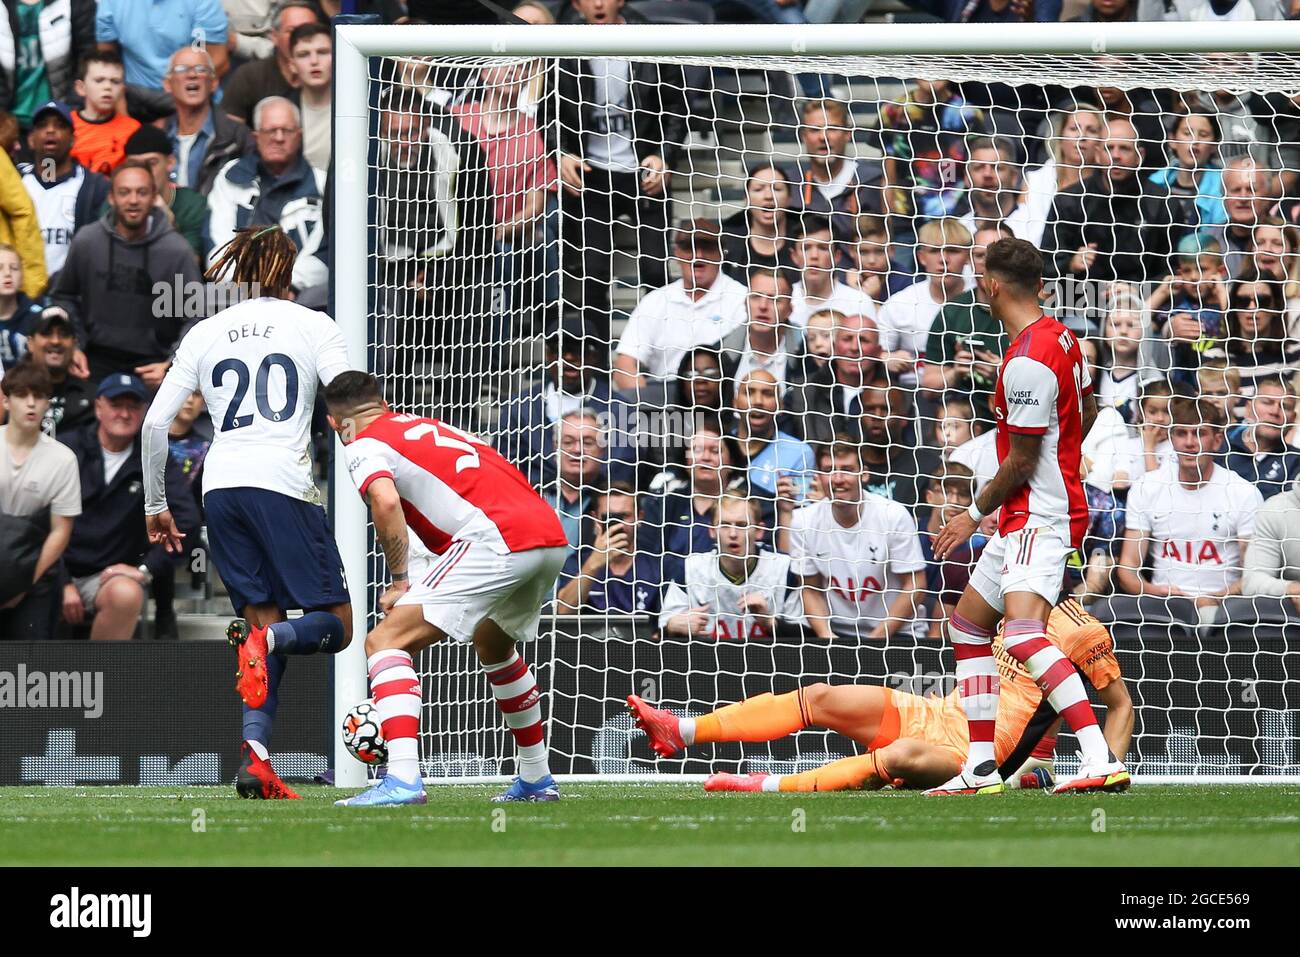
[{"x": 1179, "y": 56}]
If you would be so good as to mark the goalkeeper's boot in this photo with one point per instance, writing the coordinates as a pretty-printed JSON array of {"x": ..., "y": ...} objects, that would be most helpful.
[
  {"x": 981, "y": 780},
  {"x": 661, "y": 727},
  {"x": 722, "y": 781},
  {"x": 389, "y": 792},
  {"x": 251, "y": 680},
  {"x": 1111, "y": 777},
  {"x": 520, "y": 790},
  {"x": 257, "y": 779},
  {"x": 1034, "y": 773}
]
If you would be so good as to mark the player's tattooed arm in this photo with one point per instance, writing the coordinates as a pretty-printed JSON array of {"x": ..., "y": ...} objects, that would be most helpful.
[
  {"x": 1015, "y": 470},
  {"x": 1089, "y": 413},
  {"x": 390, "y": 525},
  {"x": 1021, "y": 460}
]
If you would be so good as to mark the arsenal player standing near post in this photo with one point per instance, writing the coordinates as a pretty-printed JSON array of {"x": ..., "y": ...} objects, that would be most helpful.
[
  {"x": 1044, "y": 407},
  {"x": 499, "y": 548}
]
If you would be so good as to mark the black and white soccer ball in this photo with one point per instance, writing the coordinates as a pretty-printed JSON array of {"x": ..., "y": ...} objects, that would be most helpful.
[{"x": 362, "y": 735}]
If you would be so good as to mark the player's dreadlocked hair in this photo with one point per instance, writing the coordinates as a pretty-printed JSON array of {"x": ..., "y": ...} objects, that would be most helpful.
[{"x": 257, "y": 254}]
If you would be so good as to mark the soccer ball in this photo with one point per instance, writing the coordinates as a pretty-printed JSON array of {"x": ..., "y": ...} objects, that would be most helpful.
[{"x": 362, "y": 735}]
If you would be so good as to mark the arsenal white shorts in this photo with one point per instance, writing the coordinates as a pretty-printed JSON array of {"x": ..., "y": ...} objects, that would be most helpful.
[
  {"x": 469, "y": 582},
  {"x": 1029, "y": 559}
]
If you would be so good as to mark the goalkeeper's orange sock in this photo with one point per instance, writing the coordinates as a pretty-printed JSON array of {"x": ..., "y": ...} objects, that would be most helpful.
[
  {"x": 861, "y": 772},
  {"x": 764, "y": 717}
]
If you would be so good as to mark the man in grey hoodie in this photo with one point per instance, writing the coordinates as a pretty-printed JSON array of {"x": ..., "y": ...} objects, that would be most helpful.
[
  {"x": 1273, "y": 561},
  {"x": 131, "y": 283}
]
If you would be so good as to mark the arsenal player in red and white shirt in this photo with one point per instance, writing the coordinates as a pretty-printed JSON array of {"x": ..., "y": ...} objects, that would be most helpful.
[
  {"x": 1044, "y": 407},
  {"x": 498, "y": 550}
]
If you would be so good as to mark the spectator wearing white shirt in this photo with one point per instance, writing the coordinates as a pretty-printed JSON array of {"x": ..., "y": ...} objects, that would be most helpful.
[
  {"x": 943, "y": 253},
  {"x": 858, "y": 557},
  {"x": 736, "y": 592},
  {"x": 817, "y": 288},
  {"x": 700, "y": 308},
  {"x": 763, "y": 343},
  {"x": 1193, "y": 517},
  {"x": 1077, "y": 151},
  {"x": 1150, "y": 448}
]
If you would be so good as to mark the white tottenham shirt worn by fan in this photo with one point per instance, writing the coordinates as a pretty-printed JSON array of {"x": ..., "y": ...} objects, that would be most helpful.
[
  {"x": 257, "y": 364},
  {"x": 1195, "y": 534},
  {"x": 709, "y": 587},
  {"x": 861, "y": 564}
]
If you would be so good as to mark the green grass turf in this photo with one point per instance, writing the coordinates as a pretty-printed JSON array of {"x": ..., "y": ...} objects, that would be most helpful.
[{"x": 606, "y": 824}]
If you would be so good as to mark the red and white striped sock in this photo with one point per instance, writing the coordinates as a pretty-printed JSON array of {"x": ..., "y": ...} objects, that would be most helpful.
[
  {"x": 977, "y": 678},
  {"x": 1025, "y": 640},
  {"x": 515, "y": 689},
  {"x": 396, "y": 689}
]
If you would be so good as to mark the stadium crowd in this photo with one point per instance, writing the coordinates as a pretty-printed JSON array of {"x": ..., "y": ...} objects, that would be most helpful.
[{"x": 803, "y": 387}]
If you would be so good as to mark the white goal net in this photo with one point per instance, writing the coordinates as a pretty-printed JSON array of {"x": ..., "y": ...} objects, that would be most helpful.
[{"x": 722, "y": 311}]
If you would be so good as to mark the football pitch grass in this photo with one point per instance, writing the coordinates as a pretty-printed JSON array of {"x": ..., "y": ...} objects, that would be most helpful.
[{"x": 659, "y": 824}]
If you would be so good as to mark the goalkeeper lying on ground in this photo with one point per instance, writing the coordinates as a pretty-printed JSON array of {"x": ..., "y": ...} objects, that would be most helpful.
[{"x": 911, "y": 741}]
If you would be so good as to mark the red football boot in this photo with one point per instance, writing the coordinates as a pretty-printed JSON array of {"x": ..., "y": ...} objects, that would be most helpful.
[
  {"x": 660, "y": 726},
  {"x": 722, "y": 781},
  {"x": 257, "y": 779},
  {"x": 251, "y": 680}
]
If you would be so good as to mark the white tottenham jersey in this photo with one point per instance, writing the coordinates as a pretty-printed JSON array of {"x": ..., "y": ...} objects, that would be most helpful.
[
  {"x": 1195, "y": 533},
  {"x": 844, "y": 299},
  {"x": 708, "y": 586},
  {"x": 257, "y": 364},
  {"x": 861, "y": 564},
  {"x": 56, "y": 212}
]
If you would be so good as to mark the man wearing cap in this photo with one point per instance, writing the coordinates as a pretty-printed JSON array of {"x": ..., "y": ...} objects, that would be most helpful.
[
  {"x": 52, "y": 344},
  {"x": 66, "y": 195},
  {"x": 109, "y": 559},
  {"x": 700, "y": 308},
  {"x": 186, "y": 208},
  {"x": 112, "y": 271}
]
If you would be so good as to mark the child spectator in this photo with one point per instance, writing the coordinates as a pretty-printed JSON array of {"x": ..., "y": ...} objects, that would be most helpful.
[
  {"x": 1120, "y": 357},
  {"x": 923, "y": 138},
  {"x": 18, "y": 314},
  {"x": 873, "y": 271},
  {"x": 40, "y": 497},
  {"x": 954, "y": 426},
  {"x": 948, "y": 493},
  {"x": 819, "y": 338},
  {"x": 1194, "y": 178},
  {"x": 1190, "y": 304},
  {"x": 99, "y": 131},
  {"x": 735, "y": 592},
  {"x": 1150, "y": 448}
]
